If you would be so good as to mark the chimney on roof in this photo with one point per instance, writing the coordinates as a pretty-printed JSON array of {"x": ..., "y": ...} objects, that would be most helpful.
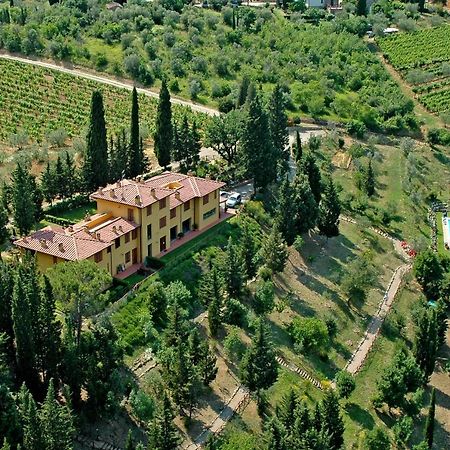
[
  {"x": 114, "y": 229},
  {"x": 120, "y": 228},
  {"x": 118, "y": 184},
  {"x": 190, "y": 173},
  {"x": 70, "y": 228},
  {"x": 98, "y": 236},
  {"x": 25, "y": 239},
  {"x": 44, "y": 243},
  {"x": 177, "y": 195},
  {"x": 137, "y": 199},
  {"x": 100, "y": 190},
  {"x": 61, "y": 247},
  {"x": 112, "y": 193},
  {"x": 87, "y": 217},
  {"x": 153, "y": 192}
]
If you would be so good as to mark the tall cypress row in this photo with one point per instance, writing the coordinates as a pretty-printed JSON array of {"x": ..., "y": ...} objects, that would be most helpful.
[
  {"x": 256, "y": 145},
  {"x": 329, "y": 211},
  {"x": 164, "y": 134},
  {"x": 278, "y": 128},
  {"x": 136, "y": 164},
  {"x": 95, "y": 167},
  {"x": 24, "y": 208}
]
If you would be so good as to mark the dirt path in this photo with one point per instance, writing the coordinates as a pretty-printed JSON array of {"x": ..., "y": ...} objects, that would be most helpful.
[
  {"x": 236, "y": 403},
  {"x": 123, "y": 84},
  {"x": 363, "y": 349}
]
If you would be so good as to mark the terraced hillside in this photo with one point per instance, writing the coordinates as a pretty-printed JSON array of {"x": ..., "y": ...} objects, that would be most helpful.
[{"x": 423, "y": 59}]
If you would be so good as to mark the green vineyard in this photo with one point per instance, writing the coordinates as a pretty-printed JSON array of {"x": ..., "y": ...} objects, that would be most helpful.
[
  {"x": 423, "y": 58},
  {"x": 38, "y": 101}
]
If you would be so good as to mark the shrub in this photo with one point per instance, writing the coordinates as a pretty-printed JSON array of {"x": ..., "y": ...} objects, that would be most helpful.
[
  {"x": 264, "y": 299},
  {"x": 356, "y": 128},
  {"x": 439, "y": 136},
  {"x": 153, "y": 263},
  {"x": 235, "y": 313},
  {"x": 142, "y": 405},
  {"x": 57, "y": 137},
  {"x": 309, "y": 333},
  {"x": 195, "y": 87},
  {"x": 233, "y": 344}
]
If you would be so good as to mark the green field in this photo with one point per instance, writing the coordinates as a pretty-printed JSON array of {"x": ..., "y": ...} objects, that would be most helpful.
[{"x": 422, "y": 57}]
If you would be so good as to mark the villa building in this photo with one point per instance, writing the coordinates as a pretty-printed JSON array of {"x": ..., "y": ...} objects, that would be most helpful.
[{"x": 134, "y": 219}]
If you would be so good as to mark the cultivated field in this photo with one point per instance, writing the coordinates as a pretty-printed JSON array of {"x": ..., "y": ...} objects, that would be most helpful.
[
  {"x": 37, "y": 101},
  {"x": 422, "y": 58}
]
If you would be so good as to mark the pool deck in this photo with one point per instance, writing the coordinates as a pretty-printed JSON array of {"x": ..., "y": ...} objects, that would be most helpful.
[{"x": 445, "y": 229}]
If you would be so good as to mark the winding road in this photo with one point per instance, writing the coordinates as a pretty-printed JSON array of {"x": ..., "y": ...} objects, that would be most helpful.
[{"x": 123, "y": 84}]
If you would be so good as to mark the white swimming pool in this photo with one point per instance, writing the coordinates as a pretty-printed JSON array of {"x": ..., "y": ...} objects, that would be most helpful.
[{"x": 446, "y": 229}]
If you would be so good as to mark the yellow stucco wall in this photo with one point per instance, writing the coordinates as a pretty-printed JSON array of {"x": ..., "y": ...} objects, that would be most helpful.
[{"x": 45, "y": 261}]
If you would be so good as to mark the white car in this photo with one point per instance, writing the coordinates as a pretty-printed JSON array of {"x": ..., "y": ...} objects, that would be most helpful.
[{"x": 234, "y": 200}]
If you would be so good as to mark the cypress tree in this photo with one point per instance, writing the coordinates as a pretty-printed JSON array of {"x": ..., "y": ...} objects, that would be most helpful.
[
  {"x": 49, "y": 334},
  {"x": 369, "y": 182},
  {"x": 95, "y": 167},
  {"x": 285, "y": 212},
  {"x": 256, "y": 146},
  {"x": 48, "y": 184},
  {"x": 361, "y": 7},
  {"x": 24, "y": 307},
  {"x": 4, "y": 219},
  {"x": 28, "y": 412},
  {"x": 286, "y": 410},
  {"x": 259, "y": 368},
  {"x": 332, "y": 420},
  {"x": 59, "y": 178},
  {"x": 298, "y": 150},
  {"x": 24, "y": 208},
  {"x": 277, "y": 435},
  {"x": 278, "y": 128},
  {"x": 429, "y": 424},
  {"x": 426, "y": 342},
  {"x": 176, "y": 328},
  {"x": 248, "y": 248},
  {"x": 274, "y": 251},
  {"x": 70, "y": 176},
  {"x": 211, "y": 286},
  {"x": 304, "y": 205},
  {"x": 233, "y": 271},
  {"x": 6, "y": 294},
  {"x": 214, "y": 316},
  {"x": 164, "y": 134},
  {"x": 37, "y": 197},
  {"x": 56, "y": 423},
  {"x": 129, "y": 445},
  {"x": 243, "y": 89},
  {"x": 329, "y": 211},
  {"x": 310, "y": 169},
  {"x": 136, "y": 165},
  {"x": 163, "y": 432}
]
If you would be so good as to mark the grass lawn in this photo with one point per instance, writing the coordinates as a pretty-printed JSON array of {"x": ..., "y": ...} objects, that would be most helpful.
[
  {"x": 77, "y": 214},
  {"x": 312, "y": 281},
  {"x": 134, "y": 279},
  {"x": 359, "y": 413}
]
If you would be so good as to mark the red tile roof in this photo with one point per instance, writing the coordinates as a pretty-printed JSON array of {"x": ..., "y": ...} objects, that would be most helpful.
[
  {"x": 132, "y": 193},
  {"x": 77, "y": 242},
  {"x": 143, "y": 193}
]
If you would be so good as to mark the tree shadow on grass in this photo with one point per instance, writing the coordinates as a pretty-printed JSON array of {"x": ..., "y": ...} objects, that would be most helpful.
[
  {"x": 342, "y": 350},
  {"x": 360, "y": 416}
]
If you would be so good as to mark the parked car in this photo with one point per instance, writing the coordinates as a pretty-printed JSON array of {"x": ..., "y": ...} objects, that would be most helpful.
[
  {"x": 234, "y": 200},
  {"x": 224, "y": 195}
]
